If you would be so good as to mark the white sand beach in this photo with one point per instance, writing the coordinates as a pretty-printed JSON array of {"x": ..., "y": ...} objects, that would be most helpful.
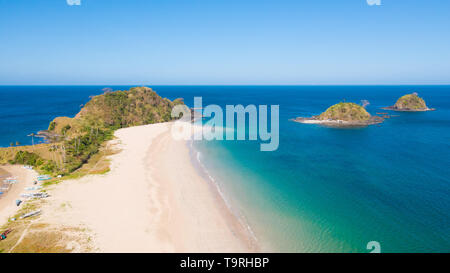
[{"x": 152, "y": 200}]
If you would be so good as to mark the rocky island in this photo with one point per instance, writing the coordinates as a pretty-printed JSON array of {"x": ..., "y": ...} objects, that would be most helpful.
[
  {"x": 410, "y": 103},
  {"x": 343, "y": 114}
]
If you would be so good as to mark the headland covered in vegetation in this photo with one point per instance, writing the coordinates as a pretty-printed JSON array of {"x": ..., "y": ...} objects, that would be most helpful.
[{"x": 72, "y": 142}]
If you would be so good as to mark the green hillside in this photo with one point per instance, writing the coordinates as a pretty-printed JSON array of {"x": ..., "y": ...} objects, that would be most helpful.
[
  {"x": 346, "y": 111},
  {"x": 410, "y": 101}
]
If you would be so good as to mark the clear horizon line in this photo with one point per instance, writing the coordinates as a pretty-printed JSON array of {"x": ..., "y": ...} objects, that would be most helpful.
[{"x": 349, "y": 84}]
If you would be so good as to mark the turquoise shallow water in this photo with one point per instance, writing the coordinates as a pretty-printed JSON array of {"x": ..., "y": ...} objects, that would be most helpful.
[
  {"x": 324, "y": 189},
  {"x": 334, "y": 190}
]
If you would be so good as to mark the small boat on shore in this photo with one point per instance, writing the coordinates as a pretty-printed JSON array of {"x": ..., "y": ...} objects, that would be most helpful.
[
  {"x": 33, "y": 213},
  {"x": 4, "y": 235},
  {"x": 43, "y": 177},
  {"x": 37, "y": 195},
  {"x": 33, "y": 188},
  {"x": 9, "y": 180}
]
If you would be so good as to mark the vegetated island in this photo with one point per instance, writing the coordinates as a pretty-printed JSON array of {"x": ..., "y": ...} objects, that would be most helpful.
[
  {"x": 343, "y": 114},
  {"x": 410, "y": 103}
]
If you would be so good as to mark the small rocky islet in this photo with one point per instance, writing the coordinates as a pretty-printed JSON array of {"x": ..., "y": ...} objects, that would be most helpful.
[
  {"x": 349, "y": 114},
  {"x": 343, "y": 114},
  {"x": 410, "y": 103}
]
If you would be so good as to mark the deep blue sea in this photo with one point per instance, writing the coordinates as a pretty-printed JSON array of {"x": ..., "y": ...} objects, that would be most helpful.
[{"x": 324, "y": 189}]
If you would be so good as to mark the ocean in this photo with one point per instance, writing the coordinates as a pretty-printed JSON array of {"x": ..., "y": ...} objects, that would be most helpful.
[{"x": 324, "y": 189}]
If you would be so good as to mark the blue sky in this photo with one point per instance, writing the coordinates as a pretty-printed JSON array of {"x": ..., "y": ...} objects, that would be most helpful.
[{"x": 224, "y": 42}]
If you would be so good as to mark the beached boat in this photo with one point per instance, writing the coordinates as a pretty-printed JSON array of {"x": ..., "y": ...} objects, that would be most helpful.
[
  {"x": 33, "y": 213},
  {"x": 9, "y": 179},
  {"x": 33, "y": 188},
  {"x": 4, "y": 235},
  {"x": 43, "y": 177},
  {"x": 35, "y": 195}
]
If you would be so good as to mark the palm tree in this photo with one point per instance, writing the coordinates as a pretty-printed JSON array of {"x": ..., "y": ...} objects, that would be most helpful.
[{"x": 32, "y": 138}]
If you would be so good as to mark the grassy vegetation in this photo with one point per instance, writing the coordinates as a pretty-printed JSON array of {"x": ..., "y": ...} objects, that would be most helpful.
[
  {"x": 42, "y": 150},
  {"x": 18, "y": 226},
  {"x": 30, "y": 236},
  {"x": 410, "y": 101},
  {"x": 346, "y": 111}
]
